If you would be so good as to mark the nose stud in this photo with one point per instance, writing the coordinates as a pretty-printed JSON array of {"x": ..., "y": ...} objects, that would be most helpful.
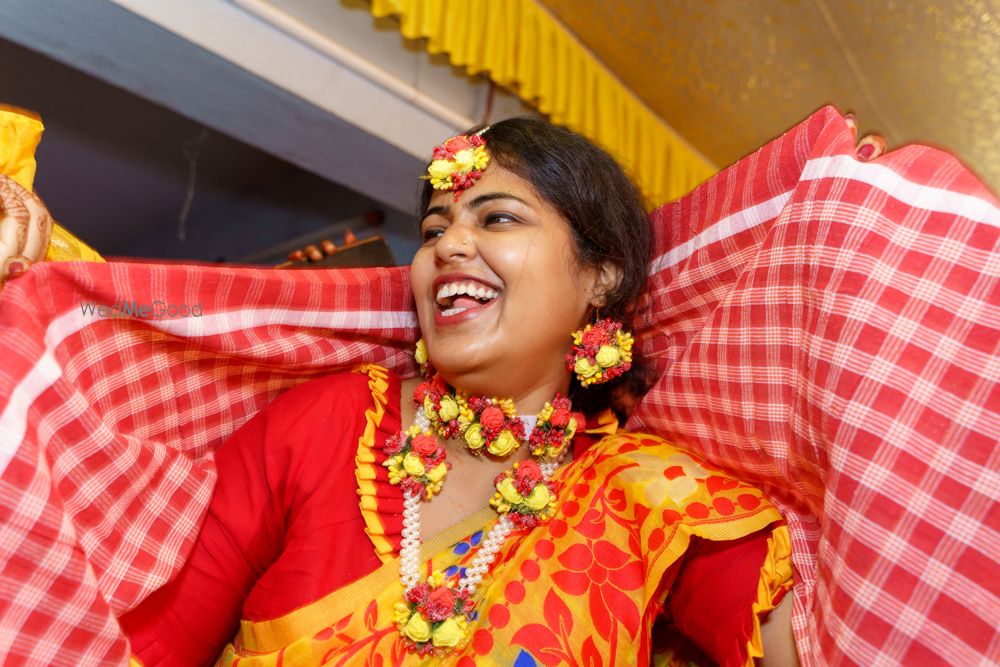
[{"x": 465, "y": 241}]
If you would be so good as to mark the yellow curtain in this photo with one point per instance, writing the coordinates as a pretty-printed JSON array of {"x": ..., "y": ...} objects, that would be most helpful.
[{"x": 520, "y": 46}]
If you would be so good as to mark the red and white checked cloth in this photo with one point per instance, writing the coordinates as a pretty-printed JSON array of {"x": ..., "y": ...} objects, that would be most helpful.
[{"x": 822, "y": 327}]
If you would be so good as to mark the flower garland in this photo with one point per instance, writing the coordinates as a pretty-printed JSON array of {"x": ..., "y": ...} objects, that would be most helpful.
[
  {"x": 555, "y": 428},
  {"x": 458, "y": 163},
  {"x": 523, "y": 494},
  {"x": 434, "y": 615},
  {"x": 601, "y": 351},
  {"x": 416, "y": 462}
]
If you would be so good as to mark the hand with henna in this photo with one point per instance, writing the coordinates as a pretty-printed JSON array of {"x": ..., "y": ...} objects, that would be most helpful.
[
  {"x": 870, "y": 146},
  {"x": 25, "y": 229}
]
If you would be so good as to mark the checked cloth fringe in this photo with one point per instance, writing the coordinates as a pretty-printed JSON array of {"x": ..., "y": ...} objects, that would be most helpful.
[{"x": 824, "y": 328}]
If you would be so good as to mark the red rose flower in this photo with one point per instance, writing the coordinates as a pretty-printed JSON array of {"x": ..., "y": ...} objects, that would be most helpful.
[
  {"x": 456, "y": 144},
  {"x": 595, "y": 337},
  {"x": 529, "y": 472},
  {"x": 438, "y": 386},
  {"x": 422, "y": 389},
  {"x": 424, "y": 444},
  {"x": 491, "y": 418},
  {"x": 559, "y": 418},
  {"x": 440, "y": 604}
]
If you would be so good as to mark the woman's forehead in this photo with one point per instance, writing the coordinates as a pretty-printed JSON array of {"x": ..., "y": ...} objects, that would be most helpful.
[{"x": 495, "y": 180}]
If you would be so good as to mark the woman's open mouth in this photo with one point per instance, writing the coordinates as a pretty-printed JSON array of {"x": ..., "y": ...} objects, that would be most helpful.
[{"x": 454, "y": 297}]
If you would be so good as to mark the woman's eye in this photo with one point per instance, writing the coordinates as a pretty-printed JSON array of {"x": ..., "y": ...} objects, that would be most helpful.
[
  {"x": 431, "y": 233},
  {"x": 498, "y": 218}
]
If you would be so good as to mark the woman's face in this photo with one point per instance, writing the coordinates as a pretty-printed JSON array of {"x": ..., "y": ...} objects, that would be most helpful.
[{"x": 499, "y": 290}]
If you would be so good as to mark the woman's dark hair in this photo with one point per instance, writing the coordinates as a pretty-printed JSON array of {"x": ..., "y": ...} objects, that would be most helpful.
[{"x": 603, "y": 208}]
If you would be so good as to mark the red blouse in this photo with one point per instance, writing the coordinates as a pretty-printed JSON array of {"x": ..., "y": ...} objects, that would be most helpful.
[{"x": 283, "y": 528}]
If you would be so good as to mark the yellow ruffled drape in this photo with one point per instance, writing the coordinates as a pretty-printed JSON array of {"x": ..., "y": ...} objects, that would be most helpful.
[
  {"x": 20, "y": 132},
  {"x": 520, "y": 46}
]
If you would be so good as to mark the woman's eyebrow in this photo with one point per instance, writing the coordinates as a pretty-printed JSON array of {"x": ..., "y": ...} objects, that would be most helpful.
[
  {"x": 492, "y": 196},
  {"x": 434, "y": 210},
  {"x": 474, "y": 203}
]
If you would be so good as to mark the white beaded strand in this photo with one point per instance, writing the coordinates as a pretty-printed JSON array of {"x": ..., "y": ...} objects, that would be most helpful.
[{"x": 409, "y": 552}]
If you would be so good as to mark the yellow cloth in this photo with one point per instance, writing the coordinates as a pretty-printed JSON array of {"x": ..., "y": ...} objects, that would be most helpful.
[
  {"x": 521, "y": 47},
  {"x": 20, "y": 132}
]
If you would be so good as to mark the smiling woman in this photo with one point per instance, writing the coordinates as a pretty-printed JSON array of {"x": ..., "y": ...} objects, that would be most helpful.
[
  {"x": 503, "y": 518},
  {"x": 502, "y": 238}
]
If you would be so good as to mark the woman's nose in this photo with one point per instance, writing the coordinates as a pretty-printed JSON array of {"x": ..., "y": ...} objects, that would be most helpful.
[{"x": 457, "y": 242}]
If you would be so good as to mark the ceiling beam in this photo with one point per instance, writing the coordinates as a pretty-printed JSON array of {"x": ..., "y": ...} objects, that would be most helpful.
[{"x": 226, "y": 68}]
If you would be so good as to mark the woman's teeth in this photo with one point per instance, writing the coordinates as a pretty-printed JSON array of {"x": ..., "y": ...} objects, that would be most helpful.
[{"x": 458, "y": 297}]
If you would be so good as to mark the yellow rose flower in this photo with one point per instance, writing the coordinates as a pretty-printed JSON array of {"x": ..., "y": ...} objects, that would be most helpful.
[
  {"x": 447, "y": 634},
  {"x": 508, "y": 492},
  {"x": 429, "y": 407},
  {"x": 448, "y": 409},
  {"x": 413, "y": 466},
  {"x": 474, "y": 436},
  {"x": 607, "y": 356},
  {"x": 440, "y": 169},
  {"x": 437, "y": 473},
  {"x": 504, "y": 444},
  {"x": 584, "y": 368},
  {"x": 538, "y": 498},
  {"x": 417, "y": 628},
  {"x": 465, "y": 160},
  {"x": 421, "y": 354}
]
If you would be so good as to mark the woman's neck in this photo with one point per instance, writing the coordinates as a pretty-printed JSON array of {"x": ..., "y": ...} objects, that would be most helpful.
[{"x": 529, "y": 397}]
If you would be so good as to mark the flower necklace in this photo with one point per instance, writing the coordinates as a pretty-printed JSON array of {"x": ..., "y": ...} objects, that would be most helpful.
[{"x": 434, "y": 615}]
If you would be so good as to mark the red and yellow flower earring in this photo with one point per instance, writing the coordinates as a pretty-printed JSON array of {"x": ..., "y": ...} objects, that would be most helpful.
[{"x": 601, "y": 352}]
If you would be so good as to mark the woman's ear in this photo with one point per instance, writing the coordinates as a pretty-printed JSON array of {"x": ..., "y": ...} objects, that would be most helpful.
[{"x": 607, "y": 278}]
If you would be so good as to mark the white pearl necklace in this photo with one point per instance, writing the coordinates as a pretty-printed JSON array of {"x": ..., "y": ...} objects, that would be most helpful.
[{"x": 409, "y": 552}]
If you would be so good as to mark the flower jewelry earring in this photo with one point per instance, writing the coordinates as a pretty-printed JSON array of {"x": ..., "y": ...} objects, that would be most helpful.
[{"x": 601, "y": 352}]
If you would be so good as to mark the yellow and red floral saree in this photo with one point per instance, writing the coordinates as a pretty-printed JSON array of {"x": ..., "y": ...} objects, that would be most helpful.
[{"x": 583, "y": 588}]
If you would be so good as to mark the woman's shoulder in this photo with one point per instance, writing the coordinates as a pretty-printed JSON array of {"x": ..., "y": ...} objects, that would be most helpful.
[{"x": 316, "y": 424}]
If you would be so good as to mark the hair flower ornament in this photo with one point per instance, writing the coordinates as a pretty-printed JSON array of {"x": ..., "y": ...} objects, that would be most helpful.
[{"x": 458, "y": 163}]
